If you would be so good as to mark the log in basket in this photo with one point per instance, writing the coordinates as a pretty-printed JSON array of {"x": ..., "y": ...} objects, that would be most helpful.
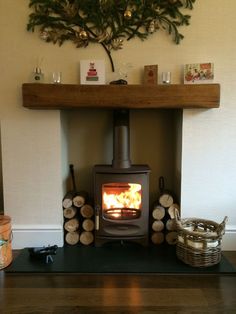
[{"x": 199, "y": 241}]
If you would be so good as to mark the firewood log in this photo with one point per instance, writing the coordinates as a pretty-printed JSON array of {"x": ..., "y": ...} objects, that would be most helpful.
[
  {"x": 68, "y": 199},
  {"x": 171, "y": 237},
  {"x": 80, "y": 199},
  {"x": 87, "y": 211},
  {"x": 72, "y": 238},
  {"x": 158, "y": 212},
  {"x": 70, "y": 212},
  {"x": 71, "y": 225},
  {"x": 157, "y": 225},
  {"x": 86, "y": 237},
  {"x": 157, "y": 238},
  {"x": 171, "y": 225},
  {"x": 88, "y": 225},
  {"x": 171, "y": 210}
]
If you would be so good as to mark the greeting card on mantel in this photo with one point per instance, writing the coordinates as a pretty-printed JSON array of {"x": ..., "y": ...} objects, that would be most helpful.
[
  {"x": 150, "y": 74},
  {"x": 198, "y": 73},
  {"x": 92, "y": 72}
]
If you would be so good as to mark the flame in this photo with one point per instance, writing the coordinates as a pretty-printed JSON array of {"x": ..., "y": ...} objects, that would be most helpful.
[{"x": 124, "y": 196}]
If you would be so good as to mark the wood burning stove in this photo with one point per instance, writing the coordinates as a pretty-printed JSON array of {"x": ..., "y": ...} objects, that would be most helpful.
[{"x": 121, "y": 192}]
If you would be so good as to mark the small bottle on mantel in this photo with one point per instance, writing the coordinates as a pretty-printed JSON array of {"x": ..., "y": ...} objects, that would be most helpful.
[{"x": 38, "y": 76}]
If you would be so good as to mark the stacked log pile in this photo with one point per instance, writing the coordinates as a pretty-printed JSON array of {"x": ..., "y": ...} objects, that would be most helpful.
[
  {"x": 163, "y": 227},
  {"x": 78, "y": 220},
  {"x": 78, "y": 216}
]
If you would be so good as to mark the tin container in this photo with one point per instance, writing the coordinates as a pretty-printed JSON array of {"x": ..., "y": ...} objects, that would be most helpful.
[{"x": 5, "y": 241}]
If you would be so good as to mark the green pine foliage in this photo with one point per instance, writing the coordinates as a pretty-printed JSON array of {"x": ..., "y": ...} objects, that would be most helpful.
[{"x": 107, "y": 22}]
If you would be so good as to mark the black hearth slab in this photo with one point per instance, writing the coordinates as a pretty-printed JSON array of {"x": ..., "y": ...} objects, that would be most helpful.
[{"x": 128, "y": 259}]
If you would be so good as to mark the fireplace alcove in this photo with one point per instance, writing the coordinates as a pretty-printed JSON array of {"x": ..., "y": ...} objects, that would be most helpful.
[{"x": 96, "y": 102}]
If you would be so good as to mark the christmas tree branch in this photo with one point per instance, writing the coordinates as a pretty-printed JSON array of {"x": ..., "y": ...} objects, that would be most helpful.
[{"x": 106, "y": 22}]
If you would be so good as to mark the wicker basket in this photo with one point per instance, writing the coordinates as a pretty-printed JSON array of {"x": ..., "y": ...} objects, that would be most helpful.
[{"x": 199, "y": 241}]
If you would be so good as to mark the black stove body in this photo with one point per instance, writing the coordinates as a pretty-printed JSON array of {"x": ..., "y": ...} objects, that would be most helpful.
[{"x": 121, "y": 192}]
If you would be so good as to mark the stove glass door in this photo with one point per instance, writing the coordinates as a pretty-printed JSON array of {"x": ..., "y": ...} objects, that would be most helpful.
[{"x": 121, "y": 200}]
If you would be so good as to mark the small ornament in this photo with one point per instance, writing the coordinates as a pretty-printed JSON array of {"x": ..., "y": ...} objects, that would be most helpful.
[
  {"x": 151, "y": 27},
  {"x": 101, "y": 38},
  {"x": 117, "y": 43},
  {"x": 156, "y": 25},
  {"x": 44, "y": 34},
  {"x": 78, "y": 39},
  {"x": 83, "y": 35},
  {"x": 70, "y": 10},
  {"x": 128, "y": 14},
  {"x": 79, "y": 42}
]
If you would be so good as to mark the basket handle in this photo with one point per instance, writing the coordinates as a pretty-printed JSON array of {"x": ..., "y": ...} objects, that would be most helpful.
[
  {"x": 221, "y": 228},
  {"x": 176, "y": 214},
  {"x": 177, "y": 218}
]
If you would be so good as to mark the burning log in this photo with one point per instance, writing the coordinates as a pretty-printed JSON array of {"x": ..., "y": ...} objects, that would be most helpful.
[
  {"x": 72, "y": 238},
  {"x": 157, "y": 238},
  {"x": 88, "y": 225},
  {"x": 157, "y": 225},
  {"x": 86, "y": 237},
  {"x": 71, "y": 225},
  {"x": 87, "y": 211},
  {"x": 70, "y": 212}
]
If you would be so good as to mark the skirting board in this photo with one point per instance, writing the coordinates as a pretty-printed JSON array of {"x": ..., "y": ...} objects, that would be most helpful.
[
  {"x": 43, "y": 235},
  {"x": 229, "y": 239},
  {"x": 37, "y": 236}
]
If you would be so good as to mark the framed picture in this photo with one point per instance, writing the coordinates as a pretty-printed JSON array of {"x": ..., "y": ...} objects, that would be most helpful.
[
  {"x": 198, "y": 73},
  {"x": 92, "y": 72}
]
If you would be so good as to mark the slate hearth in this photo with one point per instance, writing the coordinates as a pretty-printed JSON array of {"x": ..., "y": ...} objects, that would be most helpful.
[{"x": 115, "y": 258}]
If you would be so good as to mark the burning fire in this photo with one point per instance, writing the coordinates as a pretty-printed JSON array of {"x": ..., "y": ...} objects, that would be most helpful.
[{"x": 122, "y": 196}]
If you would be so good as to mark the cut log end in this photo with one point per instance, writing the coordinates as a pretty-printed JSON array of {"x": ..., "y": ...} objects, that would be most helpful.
[
  {"x": 72, "y": 238},
  {"x": 171, "y": 237},
  {"x": 78, "y": 201},
  {"x": 86, "y": 237},
  {"x": 158, "y": 212},
  {"x": 157, "y": 238},
  {"x": 87, "y": 211},
  {"x": 71, "y": 225},
  {"x": 171, "y": 225},
  {"x": 157, "y": 225},
  {"x": 88, "y": 225},
  {"x": 70, "y": 212}
]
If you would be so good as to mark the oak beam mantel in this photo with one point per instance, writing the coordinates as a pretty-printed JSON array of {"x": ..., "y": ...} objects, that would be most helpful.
[{"x": 69, "y": 96}]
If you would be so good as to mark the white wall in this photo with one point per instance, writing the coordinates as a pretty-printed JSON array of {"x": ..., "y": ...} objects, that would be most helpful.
[
  {"x": 32, "y": 141},
  {"x": 209, "y": 136}
]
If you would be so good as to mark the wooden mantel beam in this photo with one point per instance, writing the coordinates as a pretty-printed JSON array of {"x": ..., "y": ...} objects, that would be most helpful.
[{"x": 69, "y": 96}]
